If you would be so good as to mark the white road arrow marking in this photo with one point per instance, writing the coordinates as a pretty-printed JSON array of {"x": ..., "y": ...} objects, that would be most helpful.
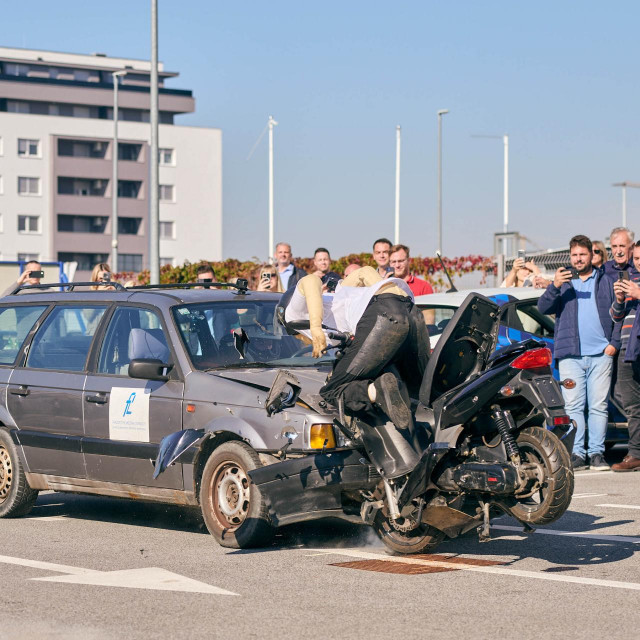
[{"x": 147, "y": 578}]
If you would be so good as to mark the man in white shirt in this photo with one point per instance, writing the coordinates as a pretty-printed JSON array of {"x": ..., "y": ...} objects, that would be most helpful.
[{"x": 382, "y": 367}]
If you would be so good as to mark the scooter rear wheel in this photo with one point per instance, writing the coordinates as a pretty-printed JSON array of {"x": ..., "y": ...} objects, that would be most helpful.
[
  {"x": 546, "y": 505},
  {"x": 422, "y": 539}
]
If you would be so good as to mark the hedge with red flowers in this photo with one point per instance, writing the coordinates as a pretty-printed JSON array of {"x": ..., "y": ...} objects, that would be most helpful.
[{"x": 428, "y": 268}]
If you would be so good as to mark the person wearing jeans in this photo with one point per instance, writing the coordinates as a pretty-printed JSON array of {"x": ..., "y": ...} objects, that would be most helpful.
[{"x": 585, "y": 343}]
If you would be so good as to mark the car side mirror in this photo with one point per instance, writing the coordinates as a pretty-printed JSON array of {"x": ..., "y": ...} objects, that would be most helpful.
[{"x": 149, "y": 369}]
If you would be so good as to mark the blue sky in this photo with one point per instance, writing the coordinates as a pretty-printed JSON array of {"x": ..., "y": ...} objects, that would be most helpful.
[{"x": 339, "y": 77}]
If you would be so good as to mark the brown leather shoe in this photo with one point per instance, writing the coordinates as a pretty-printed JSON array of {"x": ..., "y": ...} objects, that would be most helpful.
[{"x": 628, "y": 464}]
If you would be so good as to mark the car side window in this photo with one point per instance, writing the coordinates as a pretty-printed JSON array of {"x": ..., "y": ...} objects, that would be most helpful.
[
  {"x": 64, "y": 340},
  {"x": 132, "y": 333},
  {"x": 15, "y": 324},
  {"x": 535, "y": 322}
]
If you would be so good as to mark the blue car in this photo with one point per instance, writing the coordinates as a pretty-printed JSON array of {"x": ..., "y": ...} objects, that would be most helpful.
[{"x": 519, "y": 320}]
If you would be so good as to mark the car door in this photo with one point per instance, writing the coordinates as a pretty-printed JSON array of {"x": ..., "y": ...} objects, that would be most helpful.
[
  {"x": 126, "y": 418},
  {"x": 44, "y": 394}
]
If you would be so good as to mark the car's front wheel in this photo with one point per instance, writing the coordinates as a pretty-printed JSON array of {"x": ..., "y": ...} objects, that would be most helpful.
[
  {"x": 232, "y": 506},
  {"x": 16, "y": 496}
]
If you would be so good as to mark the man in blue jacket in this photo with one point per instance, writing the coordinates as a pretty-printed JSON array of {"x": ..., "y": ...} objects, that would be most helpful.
[{"x": 585, "y": 345}]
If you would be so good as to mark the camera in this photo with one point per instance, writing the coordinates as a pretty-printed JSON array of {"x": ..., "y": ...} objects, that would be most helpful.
[{"x": 36, "y": 274}]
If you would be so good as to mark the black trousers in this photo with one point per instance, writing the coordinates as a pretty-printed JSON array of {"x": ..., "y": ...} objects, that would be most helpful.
[
  {"x": 391, "y": 335},
  {"x": 628, "y": 391}
]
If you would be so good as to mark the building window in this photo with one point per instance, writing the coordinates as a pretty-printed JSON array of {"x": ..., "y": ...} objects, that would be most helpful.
[
  {"x": 28, "y": 186},
  {"x": 166, "y": 157},
  {"x": 82, "y": 148},
  {"x": 12, "y": 69},
  {"x": 166, "y": 193},
  {"x": 129, "y": 226},
  {"x": 86, "y": 261},
  {"x": 28, "y": 148},
  {"x": 28, "y": 257},
  {"x": 81, "y": 187},
  {"x": 29, "y": 224},
  {"x": 166, "y": 261},
  {"x": 130, "y": 262},
  {"x": 128, "y": 188},
  {"x": 129, "y": 151},
  {"x": 82, "y": 224},
  {"x": 167, "y": 231}
]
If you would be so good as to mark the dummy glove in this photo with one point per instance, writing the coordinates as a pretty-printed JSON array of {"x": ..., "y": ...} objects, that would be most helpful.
[{"x": 319, "y": 341}]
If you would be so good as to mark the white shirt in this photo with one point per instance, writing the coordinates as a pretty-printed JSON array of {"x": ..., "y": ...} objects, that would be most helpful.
[{"x": 341, "y": 310}]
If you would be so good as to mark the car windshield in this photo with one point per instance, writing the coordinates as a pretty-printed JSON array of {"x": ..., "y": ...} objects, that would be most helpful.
[
  {"x": 436, "y": 317},
  {"x": 210, "y": 332}
]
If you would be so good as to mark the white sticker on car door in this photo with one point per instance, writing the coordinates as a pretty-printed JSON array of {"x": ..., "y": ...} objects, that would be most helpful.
[{"x": 129, "y": 414}]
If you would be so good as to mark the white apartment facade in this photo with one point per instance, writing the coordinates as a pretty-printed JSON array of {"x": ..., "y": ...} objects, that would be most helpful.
[{"x": 56, "y": 143}]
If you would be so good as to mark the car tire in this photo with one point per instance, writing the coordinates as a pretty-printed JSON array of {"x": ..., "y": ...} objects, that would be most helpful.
[
  {"x": 232, "y": 506},
  {"x": 16, "y": 496}
]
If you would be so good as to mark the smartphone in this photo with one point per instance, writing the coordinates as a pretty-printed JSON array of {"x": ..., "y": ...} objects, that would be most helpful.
[
  {"x": 574, "y": 271},
  {"x": 265, "y": 277},
  {"x": 521, "y": 253},
  {"x": 106, "y": 277},
  {"x": 623, "y": 275},
  {"x": 332, "y": 283},
  {"x": 36, "y": 274}
]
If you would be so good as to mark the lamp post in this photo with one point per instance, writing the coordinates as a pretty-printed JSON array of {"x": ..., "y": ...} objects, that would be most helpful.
[
  {"x": 441, "y": 112},
  {"x": 272, "y": 123},
  {"x": 114, "y": 176},
  {"x": 154, "y": 237},
  {"x": 505, "y": 205},
  {"x": 624, "y": 186},
  {"x": 397, "y": 227}
]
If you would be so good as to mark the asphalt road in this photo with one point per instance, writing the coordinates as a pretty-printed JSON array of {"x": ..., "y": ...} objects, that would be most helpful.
[{"x": 85, "y": 567}]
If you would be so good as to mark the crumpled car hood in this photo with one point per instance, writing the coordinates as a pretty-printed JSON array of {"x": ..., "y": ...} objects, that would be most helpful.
[{"x": 311, "y": 380}]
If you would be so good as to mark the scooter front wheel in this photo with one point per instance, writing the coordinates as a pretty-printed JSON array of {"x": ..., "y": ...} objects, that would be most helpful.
[{"x": 422, "y": 539}]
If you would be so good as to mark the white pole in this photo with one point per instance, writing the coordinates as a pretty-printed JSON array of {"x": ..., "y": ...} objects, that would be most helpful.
[
  {"x": 505, "y": 222},
  {"x": 114, "y": 176},
  {"x": 441, "y": 112},
  {"x": 272, "y": 123},
  {"x": 397, "y": 230},
  {"x": 154, "y": 238},
  {"x": 624, "y": 205}
]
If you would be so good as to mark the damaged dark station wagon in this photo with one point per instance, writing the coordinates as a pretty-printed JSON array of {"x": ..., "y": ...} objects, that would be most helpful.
[{"x": 169, "y": 394}]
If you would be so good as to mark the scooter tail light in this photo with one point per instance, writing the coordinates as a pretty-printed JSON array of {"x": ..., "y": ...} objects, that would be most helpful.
[
  {"x": 533, "y": 359},
  {"x": 558, "y": 420}
]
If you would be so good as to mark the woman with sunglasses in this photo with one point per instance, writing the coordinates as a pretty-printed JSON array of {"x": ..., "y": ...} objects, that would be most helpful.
[
  {"x": 599, "y": 254},
  {"x": 269, "y": 280}
]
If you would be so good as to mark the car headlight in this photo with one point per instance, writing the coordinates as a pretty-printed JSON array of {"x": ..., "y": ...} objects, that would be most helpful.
[{"x": 320, "y": 434}]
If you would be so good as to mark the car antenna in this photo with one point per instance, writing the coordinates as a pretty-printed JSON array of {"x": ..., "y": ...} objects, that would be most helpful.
[{"x": 453, "y": 287}]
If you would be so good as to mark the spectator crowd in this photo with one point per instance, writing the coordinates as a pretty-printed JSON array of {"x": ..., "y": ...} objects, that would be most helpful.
[{"x": 594, "y": 301}]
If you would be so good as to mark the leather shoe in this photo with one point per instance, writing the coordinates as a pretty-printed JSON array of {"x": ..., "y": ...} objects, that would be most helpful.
[{"x": 628, "y": 464}]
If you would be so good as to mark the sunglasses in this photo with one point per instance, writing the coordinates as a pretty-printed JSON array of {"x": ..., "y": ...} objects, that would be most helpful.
[
  {"x": 205, "y": 279},
  {"x": 598, "y": 251}
]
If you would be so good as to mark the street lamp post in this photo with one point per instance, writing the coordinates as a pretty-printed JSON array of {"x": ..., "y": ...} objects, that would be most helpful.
[
  {"x": 397, "y": 218},
  {"x": 505, "y": 205},
  {"x": 624, "y": 185},
  {"x": 114, "y": 177},
  {"x": 154, "y": 237},
  {"x": 272, "y": 123},
  {"x": 441, "y": 112}
]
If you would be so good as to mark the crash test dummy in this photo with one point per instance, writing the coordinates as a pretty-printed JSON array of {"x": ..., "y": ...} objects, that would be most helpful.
[{"x": 382, "y": 366}]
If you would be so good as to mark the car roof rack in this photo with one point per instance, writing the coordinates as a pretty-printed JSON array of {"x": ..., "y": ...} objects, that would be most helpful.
[
  {"x": 242, "y": 285},
  {"x": 69, "y": 286}
]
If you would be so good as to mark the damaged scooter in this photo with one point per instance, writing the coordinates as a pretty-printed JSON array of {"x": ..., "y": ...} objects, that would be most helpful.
[{"x": 490, "y": 436}]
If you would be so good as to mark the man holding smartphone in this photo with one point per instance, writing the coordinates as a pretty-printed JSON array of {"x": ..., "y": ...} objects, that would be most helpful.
[
  {"x": 624, "y": 311},
  {"x": 585, "y": 343},
  {"x": 32, "y": 274}
]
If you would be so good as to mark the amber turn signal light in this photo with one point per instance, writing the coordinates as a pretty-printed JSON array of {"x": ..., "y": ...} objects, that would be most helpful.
[
  {"x": 322, "y": 436},
  {"x": 568, "y": 383}
]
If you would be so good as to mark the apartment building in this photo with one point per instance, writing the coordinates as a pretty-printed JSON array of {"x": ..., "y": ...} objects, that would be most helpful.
[{"x": 56, "y": 154}]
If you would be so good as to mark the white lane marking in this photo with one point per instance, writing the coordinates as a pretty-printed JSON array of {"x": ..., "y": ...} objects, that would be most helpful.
[
  {"x": 620, "y": 506},
  {"x": 592, "y": 474},
  {"x": 571, "y": 534},
  {"x": 594, "y": 582},
  {"x": 45, "y": 518},
  {"x": 588, "y": 495},
  {"x": 153, "y": 578},
  {"x": 149, "y": 578}
]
